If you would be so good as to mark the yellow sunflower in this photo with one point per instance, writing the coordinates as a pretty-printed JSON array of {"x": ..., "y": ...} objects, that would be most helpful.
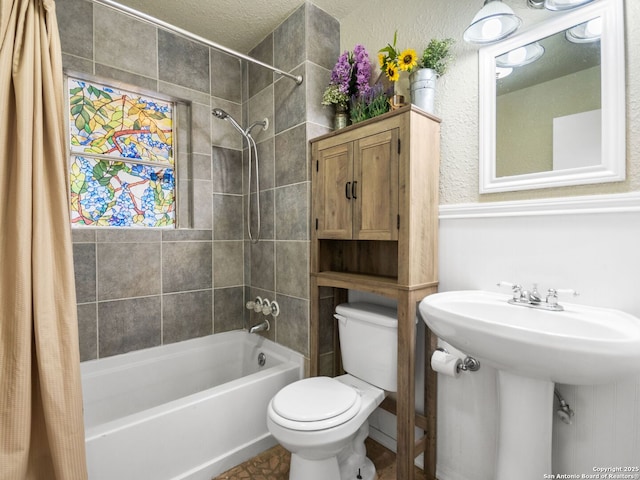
[
  {"x": 392, "y": 71},
  {"x": 408, "y": 59},
  {"x": 382, "y": 59}
]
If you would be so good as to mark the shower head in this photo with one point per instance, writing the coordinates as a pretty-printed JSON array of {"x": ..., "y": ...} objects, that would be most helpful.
[{"x": 219, "y": 113}]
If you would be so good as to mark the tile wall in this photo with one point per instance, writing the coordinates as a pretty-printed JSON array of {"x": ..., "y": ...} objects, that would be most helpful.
[
  {"x": 306, "y": 43},
  {"x": 138, "y": 288}
]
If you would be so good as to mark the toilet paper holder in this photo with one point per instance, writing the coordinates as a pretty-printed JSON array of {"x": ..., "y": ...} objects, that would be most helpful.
[{"x": 469, "y": 364}]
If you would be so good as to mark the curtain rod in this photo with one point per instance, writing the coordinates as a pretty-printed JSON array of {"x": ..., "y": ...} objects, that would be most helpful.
[{"x": 192, "y": 36}]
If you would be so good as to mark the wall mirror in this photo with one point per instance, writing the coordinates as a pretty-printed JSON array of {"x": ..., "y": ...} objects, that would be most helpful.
[{"x": 552, "y": 103}]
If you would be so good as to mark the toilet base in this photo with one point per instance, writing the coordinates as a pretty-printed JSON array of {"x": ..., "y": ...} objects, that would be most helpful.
[
  {"x": 353, "y": 461},
  {"x": 367, "y": 471},
  {"x": 350, "y": 464},
  {"x": 303, "y": 468}
]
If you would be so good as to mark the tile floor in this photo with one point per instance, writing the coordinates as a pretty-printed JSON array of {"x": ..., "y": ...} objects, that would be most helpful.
[{"x": 273, "y": 464}]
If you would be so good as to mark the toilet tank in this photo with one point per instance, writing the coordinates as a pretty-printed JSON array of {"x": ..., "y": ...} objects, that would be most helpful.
[{"x": 369, "y": 342}]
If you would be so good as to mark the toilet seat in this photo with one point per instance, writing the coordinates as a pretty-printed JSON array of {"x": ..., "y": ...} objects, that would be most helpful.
[{"x": 315, "y": 403}]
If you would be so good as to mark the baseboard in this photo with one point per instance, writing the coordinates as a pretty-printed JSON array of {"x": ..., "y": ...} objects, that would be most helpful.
[
  {"x": 447, "y": 474},
  {"x": 390, "y": 443}
]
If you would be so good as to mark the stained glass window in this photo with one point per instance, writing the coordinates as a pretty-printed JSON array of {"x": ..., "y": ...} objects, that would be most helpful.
[{"x": 122, "y": 157}]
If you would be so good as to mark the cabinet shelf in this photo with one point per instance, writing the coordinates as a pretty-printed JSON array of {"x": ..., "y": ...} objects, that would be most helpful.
[{"x": 387, "y": 286}]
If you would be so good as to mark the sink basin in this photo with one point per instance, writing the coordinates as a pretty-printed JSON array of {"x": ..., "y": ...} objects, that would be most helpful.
[
  {"x": 580, "y": 345},
  {"x": 533, "y": 349}
]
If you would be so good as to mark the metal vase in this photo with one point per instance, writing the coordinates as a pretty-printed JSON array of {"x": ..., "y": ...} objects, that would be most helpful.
[
  {"x": 341, "y": 118},
  {"x": 423, "y": 89}
]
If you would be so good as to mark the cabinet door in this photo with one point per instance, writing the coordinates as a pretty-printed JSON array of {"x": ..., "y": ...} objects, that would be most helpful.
[
  {"x": 376, "y": 190},
  {"x": 332, "y": 195}
]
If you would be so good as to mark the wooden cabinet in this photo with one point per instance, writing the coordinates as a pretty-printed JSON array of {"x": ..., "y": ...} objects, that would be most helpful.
[
  {"x": 374, "y": 227},
  {"x": 357, "y": 188}
]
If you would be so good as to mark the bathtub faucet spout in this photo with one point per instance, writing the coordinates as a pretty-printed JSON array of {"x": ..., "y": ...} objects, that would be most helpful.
[{"x": 261, "y": 327}]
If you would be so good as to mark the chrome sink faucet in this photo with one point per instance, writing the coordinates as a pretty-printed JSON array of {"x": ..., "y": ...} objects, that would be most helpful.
[{"x": 532, "y": 298}]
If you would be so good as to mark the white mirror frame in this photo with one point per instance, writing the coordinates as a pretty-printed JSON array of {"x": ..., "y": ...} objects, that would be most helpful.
[{"x": 612, "y": 168}]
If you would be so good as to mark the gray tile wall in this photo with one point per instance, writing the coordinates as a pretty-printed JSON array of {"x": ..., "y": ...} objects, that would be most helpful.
[
  {"x": 137, "y": 289},
  {"x": 306, "y": 43}
]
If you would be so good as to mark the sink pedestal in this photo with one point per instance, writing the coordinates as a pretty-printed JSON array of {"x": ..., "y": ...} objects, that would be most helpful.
[{"x": 525, "y": 427}]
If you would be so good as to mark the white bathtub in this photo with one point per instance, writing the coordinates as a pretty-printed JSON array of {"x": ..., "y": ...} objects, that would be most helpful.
[{"x": 188, "y": 410}]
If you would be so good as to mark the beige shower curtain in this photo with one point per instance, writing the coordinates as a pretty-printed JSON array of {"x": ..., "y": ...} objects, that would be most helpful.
[{"x": 41, "y": 427}]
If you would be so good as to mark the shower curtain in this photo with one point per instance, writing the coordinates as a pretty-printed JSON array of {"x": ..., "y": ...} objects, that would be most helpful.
[{"x": 41, "y": 425}]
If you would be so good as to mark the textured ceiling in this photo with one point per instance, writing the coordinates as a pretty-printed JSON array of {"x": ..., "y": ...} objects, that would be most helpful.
[{"x": 236, "y": 24}]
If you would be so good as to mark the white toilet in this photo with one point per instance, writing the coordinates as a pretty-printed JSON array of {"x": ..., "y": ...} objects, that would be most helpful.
[{"x": 322, "y": 421}]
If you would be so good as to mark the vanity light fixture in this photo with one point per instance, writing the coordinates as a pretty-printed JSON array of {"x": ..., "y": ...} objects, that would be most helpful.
[
  {"x": 556, "y": 5},
  {"x": 493, "y": 22},
  {"x": 496, "y": 21},
  {"x": 520, "y": 56},
  {"x": 586, "y": 32}
]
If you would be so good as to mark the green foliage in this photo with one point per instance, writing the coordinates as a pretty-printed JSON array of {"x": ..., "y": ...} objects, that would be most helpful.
[
  {"x": 390, "y": 50},
  {"x": 379, "y": 105},
  {"x": 437, "y": 55},
  {"x": 371, "y": 105}
]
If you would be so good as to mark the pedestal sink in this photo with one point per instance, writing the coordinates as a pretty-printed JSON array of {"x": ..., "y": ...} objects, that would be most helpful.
[{"x": 532, "y": 349}]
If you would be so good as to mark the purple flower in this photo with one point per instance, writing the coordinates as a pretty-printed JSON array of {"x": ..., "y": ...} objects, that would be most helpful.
[{"x": 352, "y": 72}]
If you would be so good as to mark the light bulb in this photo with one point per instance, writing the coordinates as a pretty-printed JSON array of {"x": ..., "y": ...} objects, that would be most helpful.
[
  {"x": 594, "y": 27},
  {"x": 502, "y": 72},
  {"x": 517, "y": 56},
  {"x": 492, "y": 28}
]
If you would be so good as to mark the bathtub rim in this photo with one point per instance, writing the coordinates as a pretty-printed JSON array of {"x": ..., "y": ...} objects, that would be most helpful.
[{"x": 288, "y": 360}]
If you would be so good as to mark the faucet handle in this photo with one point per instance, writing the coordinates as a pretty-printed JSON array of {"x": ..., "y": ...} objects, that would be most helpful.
[
  {"x": 567, "y": 290},
  {"x": 257, "y": 305},
  {"x": 562, "y": 291},
  {"x": 552, "y": 294},
  {"x": 515, "y": 289}
]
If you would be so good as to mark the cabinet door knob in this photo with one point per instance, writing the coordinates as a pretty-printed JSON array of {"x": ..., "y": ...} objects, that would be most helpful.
[
  {"x": 353, "y": 190},
  {"x": 347, "y": 190}
]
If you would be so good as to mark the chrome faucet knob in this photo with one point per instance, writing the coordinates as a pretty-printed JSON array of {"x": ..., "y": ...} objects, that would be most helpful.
[
  {"x": 552, "y": 296},
  {"x": 257, "y": 305},
  {"x": 552, "y": 293},
  {"x": 515, "y": 289}
]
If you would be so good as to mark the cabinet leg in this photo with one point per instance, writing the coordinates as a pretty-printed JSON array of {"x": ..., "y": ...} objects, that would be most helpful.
[
  {"x": 314, "y": 327},
  {"x": 406, "y": 387}
]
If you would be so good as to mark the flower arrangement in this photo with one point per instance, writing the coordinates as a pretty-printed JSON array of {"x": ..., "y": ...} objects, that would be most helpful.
[
  {"x": 392, "y": 61},
  {"x": 350, "y": 87},
  {"x": 349, "y": 77},
  {"x": 436, "y": 56}
]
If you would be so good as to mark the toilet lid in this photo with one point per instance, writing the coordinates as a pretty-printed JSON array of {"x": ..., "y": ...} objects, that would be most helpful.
[{"x": 315, "y": 399}]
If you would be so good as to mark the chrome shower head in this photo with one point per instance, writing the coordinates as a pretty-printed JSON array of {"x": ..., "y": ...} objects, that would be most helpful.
[{"x": 219, "y": 113}]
